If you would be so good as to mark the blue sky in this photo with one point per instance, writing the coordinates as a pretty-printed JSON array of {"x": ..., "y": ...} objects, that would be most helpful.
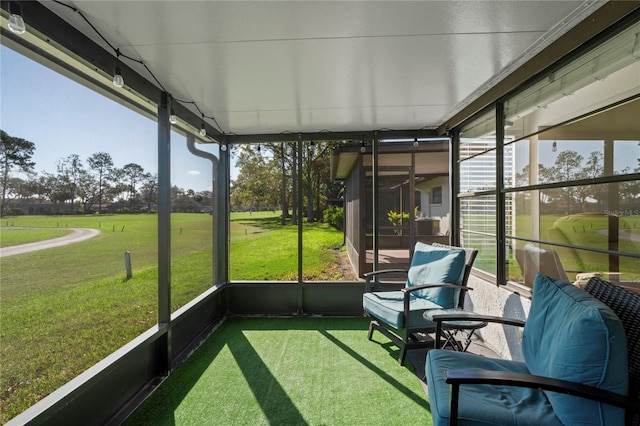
[{"x": 63, "y": 117}]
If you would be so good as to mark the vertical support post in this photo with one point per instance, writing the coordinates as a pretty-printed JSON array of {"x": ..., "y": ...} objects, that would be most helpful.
[
  {"x": 412, "y": 205},
  {"x": 300, "y": 222},
  {"x": 376, "y": 200},
  {"x": 223, "y": 210},
  {"x": 614, "y": 240},
  {"x": 164, "y": 231},
  {"x": 613, "y": 205},
  {"x": 534, "y": 179},
  {"x": 501, "y": 220},
  {"x": 294, "y": 186},
  {"x": 215, "y": 225},
  {"x": 454, "y": 182}
]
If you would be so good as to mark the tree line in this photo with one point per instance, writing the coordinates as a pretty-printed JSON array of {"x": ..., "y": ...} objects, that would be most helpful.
[
  {"x": 272, "y": 174},
  {"x": 81, "y": 187},
  {"x": 570, "y": 166}
]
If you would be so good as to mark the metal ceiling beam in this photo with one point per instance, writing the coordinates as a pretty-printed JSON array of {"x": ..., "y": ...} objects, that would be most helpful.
[{"x": 333, "y": 136}]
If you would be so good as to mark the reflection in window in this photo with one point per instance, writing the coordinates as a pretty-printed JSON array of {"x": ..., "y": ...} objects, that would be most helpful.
[
  {"x": 478, "y": 173},
  {"x": 623, "y": 154},
  {"x": 571, "y": 169},
  {"x": 604, "y": 217}
]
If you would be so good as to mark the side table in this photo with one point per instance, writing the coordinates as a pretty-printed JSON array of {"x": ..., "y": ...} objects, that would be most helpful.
[{"x": 451, "y": 328}]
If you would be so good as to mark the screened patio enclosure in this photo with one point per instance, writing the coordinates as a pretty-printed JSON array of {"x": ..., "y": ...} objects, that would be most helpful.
[
  {"x": 369, "y": 76},
  {"x": 393, "y": 200}
]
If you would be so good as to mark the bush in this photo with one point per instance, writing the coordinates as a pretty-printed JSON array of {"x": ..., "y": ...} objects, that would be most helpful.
[
  {"x": 12, "y": 211},
  {"x": 334, "y": 216}
]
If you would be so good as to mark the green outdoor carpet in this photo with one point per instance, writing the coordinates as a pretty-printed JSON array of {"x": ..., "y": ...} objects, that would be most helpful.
[{"x": 290, "y": 371}]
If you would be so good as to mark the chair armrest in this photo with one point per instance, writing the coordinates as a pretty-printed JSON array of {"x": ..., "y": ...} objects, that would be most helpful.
[
  {"x": 470, "y": 316},
  {"x": 413, "y": 288},
  {"x": 460, "y": 377},
  {"x": 408, "y": 290},
  {"x": 370, "y": 275}
]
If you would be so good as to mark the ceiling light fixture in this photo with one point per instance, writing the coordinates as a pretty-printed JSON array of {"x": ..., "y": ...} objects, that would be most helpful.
[
  {"x": 415, "y": 143},
  {"x": 363, "y": 148},
  {"x": 118, "y": 81},
  {"x": 203, "y": 130},
  {"x": 16, "y": 23},
  {"x": 172, "y": 117},
  {"x": 554, "y": 146}
]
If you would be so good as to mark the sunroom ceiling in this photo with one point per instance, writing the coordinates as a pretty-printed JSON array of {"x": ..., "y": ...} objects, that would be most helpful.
[{"x": 275, "y": 67}]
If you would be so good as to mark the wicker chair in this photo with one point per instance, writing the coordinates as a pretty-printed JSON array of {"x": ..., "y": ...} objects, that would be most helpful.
[{"x": 626, "y": 305}]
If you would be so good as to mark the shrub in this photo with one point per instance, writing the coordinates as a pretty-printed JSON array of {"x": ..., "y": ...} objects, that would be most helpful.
[
  {"x": 12, "y": 211},
  {"x": 334, "y": 216}
]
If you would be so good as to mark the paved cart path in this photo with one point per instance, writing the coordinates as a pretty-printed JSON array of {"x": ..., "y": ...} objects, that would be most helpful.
[
  {"x": 624, "y": 234},
  {"x": 76, "y": 235}
]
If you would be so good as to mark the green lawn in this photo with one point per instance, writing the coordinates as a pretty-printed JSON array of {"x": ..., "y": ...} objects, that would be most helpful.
[
  {"x": 10, "y": 236},
  {"x": 262, "y": 249},
  {"x": 64, "y": 309},
  {"x": 586, "y": 230}
]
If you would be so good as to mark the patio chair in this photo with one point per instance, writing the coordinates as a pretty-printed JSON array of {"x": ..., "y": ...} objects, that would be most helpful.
[
  {"x": 436, "y": 279},
  {"x": 532, "y": 260},
  {"x": 579, "y": 367}
]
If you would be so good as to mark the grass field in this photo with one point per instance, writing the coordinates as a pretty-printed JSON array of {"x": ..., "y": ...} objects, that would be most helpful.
[
  {"x": 16, "y": 236},
  {"x": 64, "y": 309},
  {"x": 262, "y": 249},
  {"x": 585, "y": 230}
]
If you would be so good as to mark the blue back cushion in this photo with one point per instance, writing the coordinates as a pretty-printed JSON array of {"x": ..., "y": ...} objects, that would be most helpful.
[
  {"x": 437, "y": 265},
  {"x": 571, "y": 335}
]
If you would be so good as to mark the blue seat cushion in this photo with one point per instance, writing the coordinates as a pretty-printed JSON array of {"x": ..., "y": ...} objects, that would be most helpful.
[
  {"x": 571, "y": 335},
  {"x": 437, "y": 265},
  {"x": 484, "y": 404},
  {"x": 388, "y": 306}
]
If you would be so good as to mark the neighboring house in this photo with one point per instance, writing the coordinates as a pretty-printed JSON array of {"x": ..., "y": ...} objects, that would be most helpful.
[{"x": 414, "y": 199}]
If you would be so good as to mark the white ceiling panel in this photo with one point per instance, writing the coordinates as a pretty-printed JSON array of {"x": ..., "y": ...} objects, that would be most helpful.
[{"x": 269, "y": 67}]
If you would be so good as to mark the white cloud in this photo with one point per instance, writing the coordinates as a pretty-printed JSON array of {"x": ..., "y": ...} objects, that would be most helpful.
[{"x": 193, "y": 172}]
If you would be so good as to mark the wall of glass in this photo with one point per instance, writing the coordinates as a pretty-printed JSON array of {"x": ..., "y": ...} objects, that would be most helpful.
[
  {"x": 89, "y": 164},
  {"x": 571, "y": 166},
  {"x": 477, "y": 183}
]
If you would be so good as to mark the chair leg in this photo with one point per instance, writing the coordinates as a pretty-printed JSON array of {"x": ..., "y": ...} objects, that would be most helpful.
[
  {"x": 371, "y": 328},
  {"x": 403, "y": 354}
]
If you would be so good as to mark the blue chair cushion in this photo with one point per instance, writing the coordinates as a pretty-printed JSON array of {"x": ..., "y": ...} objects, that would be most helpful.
[
  {"x": 388, "y": 306},
  {"x": 437, "y": 265},
  {"x": 484, "y": 404},
  {"x": 571, "y": 335}
]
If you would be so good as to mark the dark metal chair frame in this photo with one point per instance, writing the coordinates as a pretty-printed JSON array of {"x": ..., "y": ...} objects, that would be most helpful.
[{"x": 406, "y": 338}]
